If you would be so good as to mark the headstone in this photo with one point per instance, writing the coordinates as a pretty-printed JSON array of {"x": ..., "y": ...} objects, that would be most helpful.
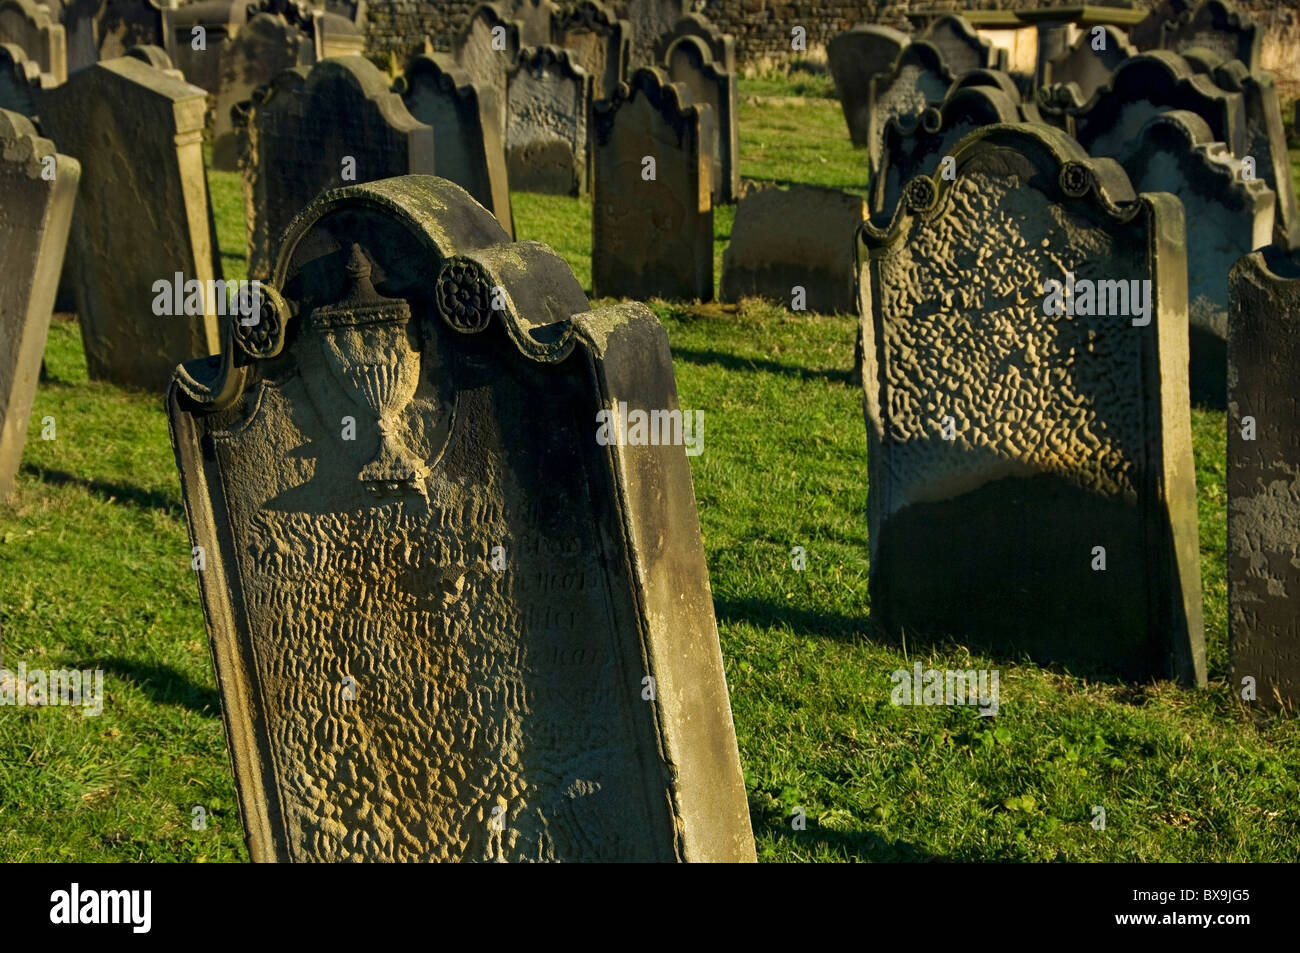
[
  {"x": 32, "y": 28},
  {"x": 265, "y": 47},
  {"x": 204, "y": 33},
  {"x": 1092, "y": 61},
  {"x": 548, "y": 109},
  {"x": 917, "y": 80},
  {"x": 597, "y": 41},
  {"x": 20, "y": 81},
  {"x": 1216, "y": 26},
  {"x": 856, "y": 57},
  {"x": 106, "y": 29},
  {"x": 1149, "y": 33},
  {"x": 143, "y": 216},
  {"x": 535, "y": 19},
  {"x": 690, "y": 63},
  {"x": 1032, "y": 487},
  {"x": 1264, "y": 479},
  {"x": 652, "y": 218},
  {"x": 156, "y": 57},
  {"x": 721, "y": 46},
  {"x": 336, "y": 35},
  {"x": 961, "y": 46},
  {"x": 37, "y": 190},
  {"x": 462, "y": 635},
  {"x": 650, "y": 19},
  {"x": 1227, "y": 217},
  {"x": 795, "y": 246},
  {"x": 316, "y": 128},
  {"x": 487, "y": 49},
  {"x": 1149, "y": 84},
  {"x": 467, "y": 146}
]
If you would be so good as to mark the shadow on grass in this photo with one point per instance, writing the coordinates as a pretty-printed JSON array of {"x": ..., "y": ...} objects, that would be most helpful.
[
  {"x": 733, "y": 363},
  {"x": 109, "y": 492},
  {"x": 164, "y": 685},
  {"x": 852, "y": 845},
  {"x": 760, "y": 612}
]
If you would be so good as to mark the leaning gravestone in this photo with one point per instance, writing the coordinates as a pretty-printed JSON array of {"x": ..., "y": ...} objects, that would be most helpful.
[
  {"x": 315, "y": 128},
  {"x": 20, "y": 81},
  {"x": 1227, "y": 217},
  {"x": 1092, "y": 61},
  {"x": 597, "y": 41},
  {"x": 1264, "y": 477},
  {"x": 856, "y": 57},
  {"x": 962, "y": 47},
  {"x": 1216, "y": 26},
  {"x": 464, "y": 634},
  {"x": 467, "y": 146},
  {"x": 143, "y": 216},
  {"x": 689, "y": 62},
  {"x": 33, "y": 28},
  {"x": 1032, "y": 488},
  {"x": 487, "y": 49},
  {"x": 37, "y": 190},
  {"x": 106, "y": 29},
  {"x": 721, "y": 46},
  {"x": 795, "y": 246},
  {"x": 548, "y": 105},
  {"x": 652, "y": 218},
  {"x": 917, "y": 80}
]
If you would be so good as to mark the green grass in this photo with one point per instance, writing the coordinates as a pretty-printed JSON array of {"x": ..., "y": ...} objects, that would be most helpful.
[{"x": 94, "y": 572}]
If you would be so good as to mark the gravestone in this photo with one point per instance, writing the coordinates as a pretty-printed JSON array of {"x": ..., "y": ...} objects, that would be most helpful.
[
  {"x": 689, "y": 62},
  {"x": 650, "y": 19},
  {"x": 106, "y": 29},
  {"x": 917, "y": 80},
  {"x": 1092, "y": 61},
  {"x": 143, "y": 216},
  {"x": 597, "y": 41},
  {"x": 1264, "y": 477},
  {"x": 32, "y": 28},
  {"x": 548, "y": 105},
  {"x": 856, "y": 57},
  {"x": 787, "y": 241},
  {"x": 37, "y": 190},
  {"x": 20, "y": 81},
  {"x": 315, "y": 128},
  {"x": 1148, "y": 34},
  {"x": 652, "y": 237},
  {"x": 204, "y": 32},
  {"x": 1031, "y": 482},
  {"x": 1216, "y": 26},
  {"x": 466, "y": 634},
  {"x": 535, "y": 19},
  {"x": 721, "y": 46},
  {"x": 487, "y": 49},
  {"x": 265, "y": 47},
  {"x": 467, "y": 146},
  {"x": 961, "y": 46},
  {"x": 1227, "y": 217},
  {"x": 917, "y": 147}
]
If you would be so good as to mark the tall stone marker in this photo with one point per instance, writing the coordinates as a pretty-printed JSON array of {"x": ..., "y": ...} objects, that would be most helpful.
[
  {"x": 1264, "y": 479},
  {"x": 916, "y": 81},
  {"x": 456, "y": 631},
  {"x": 962, "y": 47},
  {"x": 650, "y": 20},
  {"x": 721, "y": 46},
  {"x": 548, "y": 132},
  {"x": 535, "y": 19},
  {"x": 598, "y": 41},
  {"x": 37, "y": 190},
  {"x": 316, "y": 128},
  {"x": 652, "y": 218},
  {"x": 856, "y": 57},
  {"x": 34, "y": 29},
  {"x": 689, "y": 61},
  {"x": 467, "y": 143},
  {"x": 1032, "y": 488},
  {"x": 487, "y": 49},
  {"x": 143, "y": 216}
]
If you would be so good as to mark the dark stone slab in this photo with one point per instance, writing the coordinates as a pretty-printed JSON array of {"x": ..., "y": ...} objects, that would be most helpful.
[{"x": 856, "y": 57}]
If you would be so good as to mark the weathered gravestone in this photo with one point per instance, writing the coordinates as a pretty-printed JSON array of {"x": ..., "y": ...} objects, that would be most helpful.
[
  {"x": 1032, "y": 488},
  {"x": 650, "y": 19},
  {"x": 466, "y": 634},
  {"x": 795, "y": 246},
  {"x": 265, "y": 47},
  {"x": 1227, "y": 217},
  {"x": 319, "y": 127},
  {"x": 856, "y": 57},
  {"x": 487, "y": 49},
  {"x": 688, "y": 61},
  {"x": 1092, "y": 61},
  {"x": 467, "y": 146},
  {"x": 32, "y": 28},
  {"x": 961, "y": 46},
  {"x": 204, "y": 32},
  {"x": 1148, "y": 34},
  {"x": 652, "y": 218},
  {"x": 106, "y": 29},
  {"x": 721, "y": 46},
  {"x": 597, "y": 41},
  {"x": 548, "y": 105},
  {"x": 1264, "y": 477},
  {"x": 1215, "y": 25},
  {"x": 20, "y": 81},
  {"x": 143, "y": 216},
  {"x": 535, "y": 19},
  {"x": 917, "y": 80},
  {"x": 37, "y": 190}
]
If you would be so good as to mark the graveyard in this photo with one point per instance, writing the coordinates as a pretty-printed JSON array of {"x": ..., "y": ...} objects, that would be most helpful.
[{"x": 820, "y": 590}]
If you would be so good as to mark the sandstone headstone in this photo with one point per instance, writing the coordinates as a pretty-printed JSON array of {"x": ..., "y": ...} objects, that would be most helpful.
[
  {"x": 487, "y": 49},
  {"x": 143, "y": 216},
  {"x": 548, "y": 105},
  {"x": 961, "y": 46},
  {"x": 535, "y": 19},
  {"x": 652, "y": 237},
  {"x": 1013, "y": 453},
  {"x": 689, "y": 62},
  {"x": 1264, "y": 477},
  {"x": 917, "y": 80},
  {"x": 797, "y": 238},
  {"x": 856, "y": 57},
  {"x": 1216, "y": 26},
  {"x": 1092, "y": 61},
  {"x": 468, "y": 634},
  {"x": 467, "y": 146},
  {"x": 721, "y": 46},
  {"x": 650, "y": 19},
  {"x": 32, "y": 28},
  {"x": 319, "y": 127},
  {"x": 35, "y": 212},
  {"x": 598, "y": 42},
  {"x": 106, "y": 29}
]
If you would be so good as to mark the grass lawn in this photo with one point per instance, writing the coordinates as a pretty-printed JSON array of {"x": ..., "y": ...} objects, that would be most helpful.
[{"x": 95, "y": 573}]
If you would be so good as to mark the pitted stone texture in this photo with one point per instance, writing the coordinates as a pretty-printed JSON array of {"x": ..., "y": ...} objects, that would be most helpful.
[
  {"x": 917, "y": 80},
  {"x": 548, "y": 144},
  {"x": 856, "y": 57},
  {"x": 390, "y": 693}
]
